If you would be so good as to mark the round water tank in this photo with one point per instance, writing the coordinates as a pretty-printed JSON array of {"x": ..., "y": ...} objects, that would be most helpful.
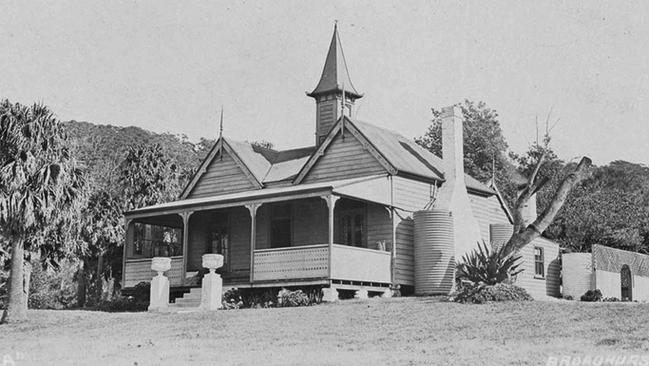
[
  {"x": 434, "y": 252},
  {"x": 499, "y": 234},
  {"x": 577, "y": 271}
]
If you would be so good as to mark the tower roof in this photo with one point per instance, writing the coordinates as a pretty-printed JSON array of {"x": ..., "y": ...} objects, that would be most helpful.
[{"x": 335, "y": 75}]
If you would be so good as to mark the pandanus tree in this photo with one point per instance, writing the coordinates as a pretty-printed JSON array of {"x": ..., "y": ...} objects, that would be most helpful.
[{"x": 40, "y": 187}]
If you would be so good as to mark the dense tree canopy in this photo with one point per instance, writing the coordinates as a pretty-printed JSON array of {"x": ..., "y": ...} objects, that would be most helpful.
[
  {"x": 147, "y": 176},
  {"x": 609, "y": 208},
  {"x": 41, "y": 185}
]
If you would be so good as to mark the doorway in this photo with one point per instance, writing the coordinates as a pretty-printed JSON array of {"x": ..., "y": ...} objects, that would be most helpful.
[
  {"x": 218, "y": 241},
  {"x": 626, "y": 284}
]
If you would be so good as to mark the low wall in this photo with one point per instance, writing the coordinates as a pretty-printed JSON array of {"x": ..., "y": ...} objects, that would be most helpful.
[
  {"x": 610, "y": 285},
  {"x": 577, "y": 269}
]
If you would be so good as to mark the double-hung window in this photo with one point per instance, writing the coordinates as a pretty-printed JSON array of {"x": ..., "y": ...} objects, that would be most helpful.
[{"x": 539, "y": 262}]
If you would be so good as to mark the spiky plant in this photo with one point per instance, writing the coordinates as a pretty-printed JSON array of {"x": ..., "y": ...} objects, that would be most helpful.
[{"x": 488, "y": 265}]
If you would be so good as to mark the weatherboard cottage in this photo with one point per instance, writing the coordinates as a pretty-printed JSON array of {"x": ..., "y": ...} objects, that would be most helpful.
[{"x": 348, "y": 213}]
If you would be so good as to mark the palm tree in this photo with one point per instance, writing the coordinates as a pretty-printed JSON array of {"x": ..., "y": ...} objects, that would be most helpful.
[{"x": 40, "y": 187}]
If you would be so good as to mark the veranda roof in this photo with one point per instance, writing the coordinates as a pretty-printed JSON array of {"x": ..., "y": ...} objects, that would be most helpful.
[{"x": 372, "y": 189}]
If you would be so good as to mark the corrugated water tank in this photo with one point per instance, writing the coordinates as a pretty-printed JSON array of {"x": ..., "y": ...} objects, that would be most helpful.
[
  {"x": 500, "y": 234},
  {"x": 434, "y": 248}
]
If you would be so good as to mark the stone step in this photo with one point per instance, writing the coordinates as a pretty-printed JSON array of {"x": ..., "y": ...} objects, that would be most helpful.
[
  {"x": 191, "y": 296},
  {"x": 185, "y": 303}
]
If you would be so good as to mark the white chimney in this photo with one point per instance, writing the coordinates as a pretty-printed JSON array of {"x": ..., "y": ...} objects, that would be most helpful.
[
  {"x": 453, "y": 195},
  {"x": 529, "y": 210},
  {"x": 453, "y": 145}
]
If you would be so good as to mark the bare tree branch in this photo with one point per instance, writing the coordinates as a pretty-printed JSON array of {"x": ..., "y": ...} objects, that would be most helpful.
[{"x": 523, "y": 235}]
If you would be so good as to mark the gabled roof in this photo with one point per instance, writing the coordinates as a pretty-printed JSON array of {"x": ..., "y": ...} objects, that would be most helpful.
[
  {"x": 256, "y": 162},
  {"x": 409, "y": 157},
  {"x": 398, "y": 154},
  {"x": 223, "y": 144},
  {"x": 403, "y": 155},
  {"x": 261, "y": 165},
  {"x": 335, "y": 74}
]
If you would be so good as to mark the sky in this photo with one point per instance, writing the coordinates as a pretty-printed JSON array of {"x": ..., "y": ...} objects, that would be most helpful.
[{"x": 168, "y": 66}]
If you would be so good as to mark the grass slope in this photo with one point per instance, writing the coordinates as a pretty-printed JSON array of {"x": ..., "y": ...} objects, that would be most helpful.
[{"x": 400, "y": 331}]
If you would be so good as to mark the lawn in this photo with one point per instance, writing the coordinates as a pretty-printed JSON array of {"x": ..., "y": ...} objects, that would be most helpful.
[{"x": 399, "y": 331}]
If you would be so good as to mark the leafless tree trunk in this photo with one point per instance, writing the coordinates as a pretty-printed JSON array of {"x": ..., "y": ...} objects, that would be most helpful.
[{"x": 525, "y": 233}]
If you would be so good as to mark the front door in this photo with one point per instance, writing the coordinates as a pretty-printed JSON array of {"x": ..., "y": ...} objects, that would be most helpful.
[{"x": 218, "y": 242}]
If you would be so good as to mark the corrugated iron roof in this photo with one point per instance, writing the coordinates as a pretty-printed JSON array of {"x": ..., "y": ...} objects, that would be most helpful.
[
  {"x": 407, "y": 156},
  {"x": 256, "y": 162},
  {"x": 269, "y": 165}
]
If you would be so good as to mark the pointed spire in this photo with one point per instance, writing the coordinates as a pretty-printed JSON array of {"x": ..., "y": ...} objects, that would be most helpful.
[
  {"x": 335, "y": 73},
  {"x": 221, "y": 134}
]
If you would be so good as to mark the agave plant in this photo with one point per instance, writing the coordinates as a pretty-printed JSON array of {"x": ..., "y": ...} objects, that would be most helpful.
[{"x": 488, "y": 266}]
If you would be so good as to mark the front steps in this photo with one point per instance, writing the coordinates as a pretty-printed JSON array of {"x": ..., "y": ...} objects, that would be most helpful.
[{"x": 191, "y": 299}]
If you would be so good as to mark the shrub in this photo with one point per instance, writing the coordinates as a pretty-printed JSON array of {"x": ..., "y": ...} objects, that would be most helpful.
[
  {"x": 267, "y": 298},
  {"x": 288, "y": 298},
  {"x": 52, "y": 288},
  {"x": 487, "y": 265},
  {"x": 610, "y": 299},
  {"x": 121, "y": 304},
  {"x": 592, "y": 295},
  {"x": 142, "y": 295},
  {"x": 232, "y": 299},
  {"x": 568, "y": 297},
  {"x": 259, "y": 298},
  {"x": 139, "y": 301},
  {"x": 481, "y": 293}
]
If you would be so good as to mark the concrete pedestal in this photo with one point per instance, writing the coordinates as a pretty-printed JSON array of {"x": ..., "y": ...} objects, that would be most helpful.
[
  {"x": 212, "y": 292},
  {"x": 159, "y": 293}
]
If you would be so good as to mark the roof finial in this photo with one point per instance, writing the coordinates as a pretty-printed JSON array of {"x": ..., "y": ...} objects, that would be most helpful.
[{"x": 221, "y": 134}]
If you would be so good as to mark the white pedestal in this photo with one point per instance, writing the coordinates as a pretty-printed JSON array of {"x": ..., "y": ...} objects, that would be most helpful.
[
  {"x": 212, "y": 292},
  {"x": 159, "y": 293},
  {"x": 329, "y": 294}
]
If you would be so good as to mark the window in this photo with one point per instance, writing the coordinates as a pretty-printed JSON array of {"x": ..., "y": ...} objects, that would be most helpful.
[
  {"x": 156, "y": 241},
  {"x": 280, "y": 226},
  {"x": 539, "y": 263},
  {"x": 352, "y": 229}
]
